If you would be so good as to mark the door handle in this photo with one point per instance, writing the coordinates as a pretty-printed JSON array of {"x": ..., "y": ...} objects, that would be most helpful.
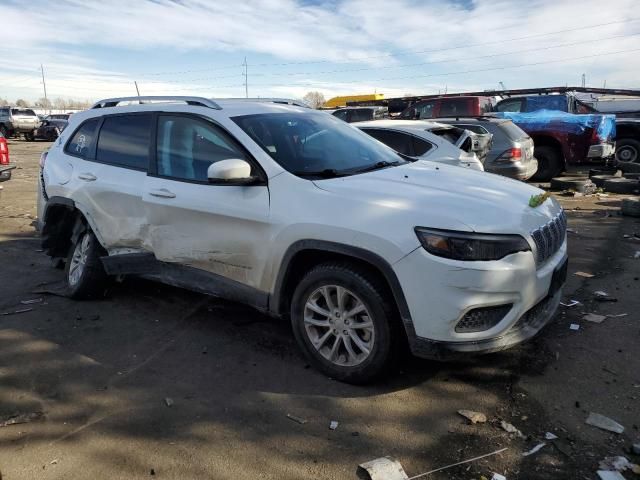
[
  {"x": 163, "y": 193},
  {"x": 87, "y": 177}
]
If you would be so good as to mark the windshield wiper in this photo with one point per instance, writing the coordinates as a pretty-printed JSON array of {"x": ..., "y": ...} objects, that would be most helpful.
[
  {"x": 376, "y": 166},
  {"x": 326, "y": 173}
]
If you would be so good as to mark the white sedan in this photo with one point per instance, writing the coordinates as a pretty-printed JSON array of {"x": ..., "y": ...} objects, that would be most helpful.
[{"x": 425, "y": 140}]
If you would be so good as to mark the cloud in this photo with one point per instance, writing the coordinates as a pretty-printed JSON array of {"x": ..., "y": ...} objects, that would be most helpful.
[{"x": 338, "y": 46}]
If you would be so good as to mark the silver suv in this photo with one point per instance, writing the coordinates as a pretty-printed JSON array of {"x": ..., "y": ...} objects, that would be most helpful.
[{"x": 15, "y": 121}]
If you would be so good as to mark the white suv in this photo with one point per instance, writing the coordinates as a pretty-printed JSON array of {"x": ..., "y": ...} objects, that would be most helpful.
[{"x": 303, "y": 216}]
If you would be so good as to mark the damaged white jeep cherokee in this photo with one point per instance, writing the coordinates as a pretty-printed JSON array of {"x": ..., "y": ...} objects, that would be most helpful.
[{"x": 302, "y": 215}]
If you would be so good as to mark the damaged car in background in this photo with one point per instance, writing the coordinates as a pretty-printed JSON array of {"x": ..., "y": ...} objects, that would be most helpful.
[
  {"x": 303, "y": 216},
  {"x": 431, "y": 141}
]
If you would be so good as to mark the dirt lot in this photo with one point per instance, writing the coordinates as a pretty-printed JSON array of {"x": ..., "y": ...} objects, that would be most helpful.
[{"x": 100, "y": 372}]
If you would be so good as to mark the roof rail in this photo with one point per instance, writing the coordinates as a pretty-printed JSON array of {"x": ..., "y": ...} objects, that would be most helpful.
[
  {"x": 285, "y": 101},
  {"x": 196, "y": 101}
]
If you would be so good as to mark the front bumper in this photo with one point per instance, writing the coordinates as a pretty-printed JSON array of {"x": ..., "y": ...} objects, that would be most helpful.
[
  {"x": 601, "y": 151},
  {"x": 440, "y": 292},
  {"x": 5, "y": 172}
]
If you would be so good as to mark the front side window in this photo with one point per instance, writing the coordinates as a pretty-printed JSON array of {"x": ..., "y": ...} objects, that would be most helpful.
[
  {"x": 341, "y": 114},
  {"x": 82, "y": 142},
  {"x": 361, "y": 115},
  {"x": 425, "y": 109},
  {"x": 188, "y": 146},
  {"x": 310, "y": 143},
  {"x": 124, "y": 141}
]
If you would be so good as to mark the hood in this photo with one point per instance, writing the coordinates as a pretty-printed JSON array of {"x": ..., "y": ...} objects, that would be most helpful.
[{"x": 441, "y": 196}]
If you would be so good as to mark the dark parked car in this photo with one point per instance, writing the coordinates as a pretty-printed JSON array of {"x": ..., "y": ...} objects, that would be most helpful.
[
  {"x": 471, "y": 106},
  {"x": 50, "y": 129},
  {"x": 360, "y": 114},
  {"x": 511, "y": 151}
]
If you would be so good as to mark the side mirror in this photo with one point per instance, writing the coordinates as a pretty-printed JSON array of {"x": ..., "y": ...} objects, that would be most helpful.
[{"x": 233, "y": 171}]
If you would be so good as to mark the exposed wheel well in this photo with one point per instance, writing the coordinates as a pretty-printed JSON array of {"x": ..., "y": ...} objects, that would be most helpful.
[
  {"x": 62, "y": 224},
  {"x": 542, "y": 140}
]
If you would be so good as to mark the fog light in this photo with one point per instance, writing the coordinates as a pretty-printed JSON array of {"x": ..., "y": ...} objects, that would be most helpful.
[{"x": 481, "y": 319}]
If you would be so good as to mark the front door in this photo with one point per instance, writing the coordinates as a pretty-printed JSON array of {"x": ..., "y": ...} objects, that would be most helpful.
[{"x": 220, "y": 229}]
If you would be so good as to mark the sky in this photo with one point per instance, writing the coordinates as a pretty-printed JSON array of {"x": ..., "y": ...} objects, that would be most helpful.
[{"x": 97, "y": 49}]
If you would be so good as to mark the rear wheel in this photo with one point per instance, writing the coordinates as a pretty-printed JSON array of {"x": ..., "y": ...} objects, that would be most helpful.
[
  {"x": 29, "y": 137},
  {"x": 4, "y": 131},
  {"x": 550, "y": 163},
  {"x": 345, "y": 323},
  {"x": 85, "y": 275},
  {"x": 628, "y": 150}
]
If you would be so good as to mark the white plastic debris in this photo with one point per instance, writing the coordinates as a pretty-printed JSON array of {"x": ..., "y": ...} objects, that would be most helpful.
[
  {"x": 168, "y": 401},
  {"x": 618, "y": 464},
  {"x": 473, "y": 417},
  {"x": 636, "y": 448},
  {"x": 574, "y": 326},
  {"x": 605, "y": 423},
  {"x": 637, "y": 254},
  {"x": 333, "y": 425},
  {"x": 31, "y": 302},
  {"x": 550, "y": 436},
  {"x": 497, "y": 476},
  {"x": 570, "y": 303},
  {"x": 619, "y": 315},
  {"x": 299, "y": 420},
  {"x": 535, "y": 449},
  {"x": 584, "y": 274},
  {"x": 609, "y": 475},
  {"x": 595, "y": 318},
  {"x": 600, "y": 293},
  {"x": 384, "y": 468},
  {"x": 507, "y": 427}
]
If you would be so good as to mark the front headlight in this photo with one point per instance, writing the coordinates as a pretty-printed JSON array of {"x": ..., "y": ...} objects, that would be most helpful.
[{"x": 470, "y": 246}]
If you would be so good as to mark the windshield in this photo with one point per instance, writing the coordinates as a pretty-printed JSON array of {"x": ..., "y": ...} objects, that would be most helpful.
[{"x": 314, "y": 143}]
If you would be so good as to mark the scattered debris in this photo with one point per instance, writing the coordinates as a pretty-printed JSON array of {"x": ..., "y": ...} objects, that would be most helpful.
[
  {"x": 21, "y": 418},
  {"x": 497, "y": 476},
  {"x": 168, "y": 402},
  {"x": 152, "y": 472},
  {"x": 637, "y": 254},
  {"x": 384, "y": 468},
  {"x": 537, "y": 200},
  {"x": 22, "y": 310},
  {"x": 535, "y": 449},
  {"x": 507, "y": 427},
  {"x": 333, "y": 425},
  {"x": 605, "y": 423},
  {"x": 609, "y": 475},
  {"x": 54, "y": 462},
  {"x": 473, "y": 417},
  {"x": 550, "y": 436},
  {"x": 574, "y": 326},
  {"x": 570, "y": 303},
  {"x": 584, "y": 274},
  {"x": 604, "y": 297},
  {"x": 618, "y": 315},
  {"x": 636, "y": 448},
  {"x": 592, "y": 317},
  {"x": 609, "y": 371},
  {"x": 31, "y": 302},
  {"x": 299, "y": 420},
  {"x": 618, "y": 464}
]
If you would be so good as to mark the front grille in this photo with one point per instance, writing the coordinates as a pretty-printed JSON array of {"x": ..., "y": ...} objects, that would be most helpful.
[
  {"x": 550, "y": 237},
  {"x": 481, "y": 319}
]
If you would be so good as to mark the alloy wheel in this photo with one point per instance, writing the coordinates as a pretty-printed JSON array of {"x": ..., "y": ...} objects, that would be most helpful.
[{"x": 79, "y": 259}]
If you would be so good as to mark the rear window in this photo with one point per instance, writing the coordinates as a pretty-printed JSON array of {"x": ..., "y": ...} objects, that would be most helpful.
[
  {"x": 455, "y": 107},
  {"x": 82, "y": 141},
  {"x": 513, "y": 131},
  {"x": 124, "y": 141},
  {"x": 23, "y": 111}
]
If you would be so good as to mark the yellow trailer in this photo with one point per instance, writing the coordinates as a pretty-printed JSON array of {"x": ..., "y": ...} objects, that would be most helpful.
[{"x": 336, "y": 102}]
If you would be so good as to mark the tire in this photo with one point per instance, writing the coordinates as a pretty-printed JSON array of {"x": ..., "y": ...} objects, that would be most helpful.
[
  {"x": 4, "y": 131},
  {"x": 602, "y": 171},
  {"x": 632, "y": 176},
  {"x": 29, "y": 137},
  {"x": 380, "y": 340},
  {"x": 550, "y": 163},
  {"x": 569, "y": 183},
  {"x": 84, "y": 273},
  {"x": 622, "y": 185},
  {"x": 631, "y": 207},
  {"x": 628, "y": 150},
  {"x": 600, "y": 179},
  {"x": 628, "y": 167}
]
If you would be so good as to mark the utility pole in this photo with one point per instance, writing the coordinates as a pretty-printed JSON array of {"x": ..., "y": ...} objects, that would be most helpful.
[
  {"x": 584, "y": 80},
  {"x": 137, "y": 91},
  {"x": 44, "y": 85},
  {"x": 246, "y": 82}
]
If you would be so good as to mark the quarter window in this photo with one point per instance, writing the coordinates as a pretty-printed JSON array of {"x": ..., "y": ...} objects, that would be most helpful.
[
  {"x": 82, "y": 142},
  {"x": 124, "y": 141},
  {"x": 400, "y": 142},
  {"x": 514, "y": 105},
  {"x": 188, "y": 146}
]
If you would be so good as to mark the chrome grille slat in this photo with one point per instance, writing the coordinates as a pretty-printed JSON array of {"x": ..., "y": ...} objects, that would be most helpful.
[{"x": 550, "y": 237}]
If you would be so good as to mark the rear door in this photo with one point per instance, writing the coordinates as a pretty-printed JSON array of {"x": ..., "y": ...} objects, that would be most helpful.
[
  {"x": 109, "y": 180},
  {"x": 221, "y": 229}
]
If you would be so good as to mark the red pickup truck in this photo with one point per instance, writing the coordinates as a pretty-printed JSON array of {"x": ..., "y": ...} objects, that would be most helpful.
[
  {"x": 5, "y": 166},
  {"x": 463, "y": 106}
]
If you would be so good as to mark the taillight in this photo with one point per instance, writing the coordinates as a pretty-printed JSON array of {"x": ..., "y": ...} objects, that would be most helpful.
[
  {"x": 43, "y": 159},
  {"x": 511, "y": 155},
  {"x": 595, "y": 138},
  {"x": 4, "y": 152}
]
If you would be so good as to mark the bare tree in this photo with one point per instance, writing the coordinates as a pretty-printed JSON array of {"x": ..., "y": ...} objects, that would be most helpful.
[
  {"x": 3, "y": 102},
  {"x": 314, "y": 99},
  {"x": 43, "y": 103},
  {"x": 21, "y": 103},
  {"x": 60, "y": 103}
]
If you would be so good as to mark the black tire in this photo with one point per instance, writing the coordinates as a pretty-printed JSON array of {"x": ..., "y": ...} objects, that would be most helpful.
[
  {"x": 600, "y": 179},
  {"x": 628, "y": 150},
  {"x": 29, "y": 137},
  {"x": 602, "y": 171},
  {"x": 622, "y": 185},
  {"x": 4, "y": 131},
  {"x": 631, "y": 207},
  {"x": 381, "y": 310},
  {"x": 632, "y": 176},
  {"x": 91, "y": 282},
  {"x": 628, "y": 167},
  {"x": 569, "y": 183},
  {"x": 550, "y": 163}
]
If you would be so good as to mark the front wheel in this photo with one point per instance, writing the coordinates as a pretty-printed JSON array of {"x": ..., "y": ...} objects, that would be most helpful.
[
  {"x": 29, "y": 137},
  {"x": 549, "y": 163},
  {"x": 628, "y": 150},
  {"x": 85, "y": 275},
  {"x": 345, "y": 322}
]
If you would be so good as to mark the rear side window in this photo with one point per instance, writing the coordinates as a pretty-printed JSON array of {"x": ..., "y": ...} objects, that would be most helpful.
[
  {"x": 511, "y": 105},
  {"x": 420, "y": 146},
  {"x": 455, "y": 107},
  {"x": 425, "y": 109},
  {"x": 361, "y": 115},
  {"x": 83, "y": 140},
  {"x": 400, "y": 142},
  {"x": 341, "y": 114},
  {"x": 124, "y": 141}
]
